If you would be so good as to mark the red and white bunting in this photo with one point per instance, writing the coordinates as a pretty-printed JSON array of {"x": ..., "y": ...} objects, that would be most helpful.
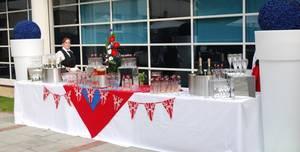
[
  {"x": 90, "y": 92},
  {"x": 68, "y": 97},
  {"x": 132, "y": 108},
  {"x": 78, "y": 93},
  {"x": 150, "y": 107},
  {"x": 117, "y": 102},
  {"x": 168, "y": 105},
  {"x": 46, "y": 93},
  {"x": 104, "y": 95},
  {"x": 56, "y": 99}
]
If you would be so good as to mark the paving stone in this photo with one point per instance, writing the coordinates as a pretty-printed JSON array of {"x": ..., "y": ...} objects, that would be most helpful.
[{"x": 107, "y": 148}]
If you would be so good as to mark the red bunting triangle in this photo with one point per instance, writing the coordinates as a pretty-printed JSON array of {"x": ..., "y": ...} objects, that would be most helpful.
[
  {"x": 168, "y": 105},
  {"x": 68, "y": 97},
  {"x": 132, "y": 108},
  {"x": 46, "y": 93},
  {"x": 56, "y": 99},
  {"x": 150, "y": 107}
]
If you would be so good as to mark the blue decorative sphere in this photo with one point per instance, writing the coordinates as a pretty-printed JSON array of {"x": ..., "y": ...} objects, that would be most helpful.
[
  {"x": 27, "y": 30},
  {"x": 280, "y": 15}
]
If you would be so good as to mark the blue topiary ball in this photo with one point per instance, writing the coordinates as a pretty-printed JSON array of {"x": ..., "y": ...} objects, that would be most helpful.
[
  {"x": 280, "y": 15},
  {"x": 27, "y": 30}
]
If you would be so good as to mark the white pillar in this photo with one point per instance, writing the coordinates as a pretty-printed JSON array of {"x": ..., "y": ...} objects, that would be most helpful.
[{"x": 42, "y": 14}]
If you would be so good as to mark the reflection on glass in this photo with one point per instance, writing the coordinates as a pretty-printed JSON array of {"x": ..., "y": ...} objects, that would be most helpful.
[
  {"x": 170, "y": 31},
  {"x": 4, "y": 72},
  {"x": 171, "y": 56},
  {"x": 2, "y": 5},
  {"x": 13, "y": 72},
  {"x": 4, "y": 55},
  {"x": 71, "y": 32},
  {"x": 60, "y": 2},
  {"x": 92, "y": 13},
  {"x": 65, "y": 15},
  {"x": 251, "y": 26},
  {"x": 3, "y": 21},
  {"x": 88, "y": 50},
  {"x": 95, "y": 34},
  {"x": 3, "y": 38},
  {"x": 218, "y": 30},
  {"x": 14, "y": 5},
  {"x": 92, "y": 0},
  {"x": 14, "y": 18},
  {"x": 131, "y": 33},
  {"x": 76, "y": 51},
  {"x": 214, "y": 7},
  {"x": 217, "y": 54},
  {"x": 141, "y": 53},
  {"x": 254, "y": 5},
  {"x": 129, "y": 10},
  {"x": 169, "y": 8}
]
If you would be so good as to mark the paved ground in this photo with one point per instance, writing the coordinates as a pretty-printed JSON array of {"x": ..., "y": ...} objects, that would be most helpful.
[{"x": 19, "y": 138}]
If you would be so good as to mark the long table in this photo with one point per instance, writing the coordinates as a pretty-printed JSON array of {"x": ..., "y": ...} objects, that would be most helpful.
[{"x": 200, "y": 124}]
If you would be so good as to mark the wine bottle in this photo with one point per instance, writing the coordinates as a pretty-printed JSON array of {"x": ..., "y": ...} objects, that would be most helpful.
[
  {"x": 200, "y": 70},
  {"x": 208, "y": 67}
]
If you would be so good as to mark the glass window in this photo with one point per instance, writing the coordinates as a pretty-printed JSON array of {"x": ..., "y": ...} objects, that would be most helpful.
[
  {"x": 61, "y": 2},
  {"x": 65, "y": 15},
  {"x": 171, "y": 56},
  {"x": 14, "y": 18},
  {"x": 251, "y": 26},
  {"x": 218, "y": 54},
  {"x": 16, "y": 5},
  {"x": 71, "y": 32},
  {"x": 2, "y": 5},
  {"x": 13, "y": 72},
  {"x": 171, "y": 31},
  {"x": 218, "y": 30},
  {"x": 95, "y": 34},
  {"x": 76, "y": 51},
  {"x": 250, "y": 50},
  {"x": 129, "y": 10},
  {"x": 4, "y": 71},
  {"x": 214, "y": 7},
  {"x": 131, "y": 33},
  {"x": 92, "y": 0},
  {"x": 254, "y": 5},
  {"x": 141, "y": 53},
  {"x": 3, "y": 21},
  {"x": 91, "y": 13},
  {"x": 4, "y": 54},
  {"x": 183, "y": 75},
  {"x": 88, "y": 50},
  {"x": 169, "y": 8},
  {"x": 3, "y": 38}
]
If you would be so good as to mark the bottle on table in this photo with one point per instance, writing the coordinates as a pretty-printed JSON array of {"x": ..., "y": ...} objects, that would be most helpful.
[
  {"x": 200, "y": 68},
  {"x": 209, "y": 72}
]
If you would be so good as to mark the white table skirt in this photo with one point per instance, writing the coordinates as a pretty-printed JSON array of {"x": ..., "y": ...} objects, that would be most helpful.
[{"x": 199, "y": 124}]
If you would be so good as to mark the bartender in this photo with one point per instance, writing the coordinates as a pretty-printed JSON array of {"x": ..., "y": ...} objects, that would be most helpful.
[{"x": 65, "y": 54}]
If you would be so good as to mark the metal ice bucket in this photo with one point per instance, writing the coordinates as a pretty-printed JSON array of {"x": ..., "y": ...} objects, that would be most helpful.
[
  {"x": 244, "y": 85},
  {"x": 199, "y": 84},
  {"x": 52, "y": 75}
]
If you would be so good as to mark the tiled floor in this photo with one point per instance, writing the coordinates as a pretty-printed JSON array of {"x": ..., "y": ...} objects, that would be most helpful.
[{"x": 19, "y": 138}]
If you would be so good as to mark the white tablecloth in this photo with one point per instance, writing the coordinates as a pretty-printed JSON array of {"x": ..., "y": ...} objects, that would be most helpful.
[{"x": 199, "y": 124}]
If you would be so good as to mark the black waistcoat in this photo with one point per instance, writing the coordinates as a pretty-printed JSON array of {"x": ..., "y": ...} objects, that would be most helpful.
[{"x": 70, "y": 61}]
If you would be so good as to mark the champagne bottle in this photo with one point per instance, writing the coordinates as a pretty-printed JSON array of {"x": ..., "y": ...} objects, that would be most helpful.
[
  {"x": 208, "y": 67},
  {"x": 200, "y": 70}
]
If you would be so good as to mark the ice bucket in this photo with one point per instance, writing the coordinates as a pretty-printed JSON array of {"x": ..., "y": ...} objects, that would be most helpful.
[
  {"x": 52, "y": 75},
  {"x": 198, "y": 84}
]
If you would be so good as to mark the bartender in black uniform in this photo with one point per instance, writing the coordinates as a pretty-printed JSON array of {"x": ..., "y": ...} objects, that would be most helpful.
[{"x": 66, "y": 55}]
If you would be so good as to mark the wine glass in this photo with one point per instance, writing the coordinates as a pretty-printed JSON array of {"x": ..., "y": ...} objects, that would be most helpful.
[
  {"x": 244, "y": 65},
  {"x": 229, "y": 58}
]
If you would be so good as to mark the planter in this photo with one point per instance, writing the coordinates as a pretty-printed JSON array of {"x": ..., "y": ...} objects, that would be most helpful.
[
  {"x": 279, "y": 55},
  {"x": 27, "y": 53}
]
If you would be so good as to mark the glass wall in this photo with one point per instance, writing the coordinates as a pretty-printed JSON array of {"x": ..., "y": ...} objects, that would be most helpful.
[
  {"x": 165, "y": 35},
  {"x": 11, "y": 11}
]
